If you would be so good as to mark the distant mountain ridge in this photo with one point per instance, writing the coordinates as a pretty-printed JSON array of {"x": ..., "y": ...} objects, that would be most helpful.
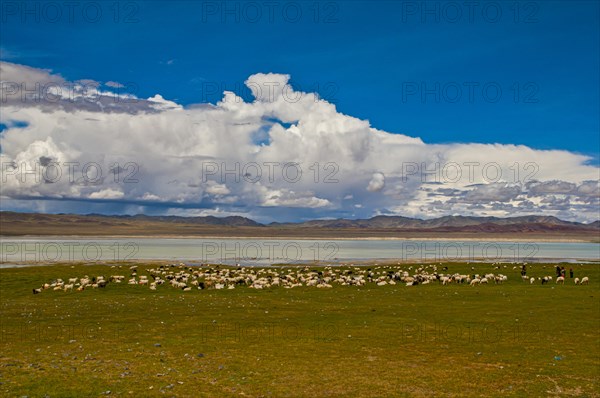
[
  {"x": 208, "y": 220},
  {"x": 441, "y": 222},
  {"x": 469, "y": 223},
  {"x": 235, "y": 221}
]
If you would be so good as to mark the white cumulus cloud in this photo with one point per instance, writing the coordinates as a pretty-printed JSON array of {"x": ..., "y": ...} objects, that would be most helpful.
[
  {"x": 284, "y": 155},
  {"x": 377, "y": 182}
]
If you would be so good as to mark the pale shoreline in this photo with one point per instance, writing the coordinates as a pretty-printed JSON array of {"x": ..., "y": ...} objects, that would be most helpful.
[
  {"x": 334, "y": 263},
  {"x": 265, "y": 238}
]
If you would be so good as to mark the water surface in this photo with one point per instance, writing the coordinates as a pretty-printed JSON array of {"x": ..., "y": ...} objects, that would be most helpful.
[{"x": 14, "y": 251}]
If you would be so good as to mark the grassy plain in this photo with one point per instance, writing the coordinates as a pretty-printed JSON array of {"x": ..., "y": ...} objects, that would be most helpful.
[{"x": 511, "y": 339}]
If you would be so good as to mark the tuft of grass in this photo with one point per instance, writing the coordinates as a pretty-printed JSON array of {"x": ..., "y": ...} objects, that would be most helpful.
[{"x": 512, "y": 339}]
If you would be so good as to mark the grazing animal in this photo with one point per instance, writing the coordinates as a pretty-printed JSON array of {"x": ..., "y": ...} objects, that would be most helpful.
[
  {"x": 576, "y": 281},
  {"x": 37, "y": 291},
  {"x": 560, "y": 280},
  {"x": 182, "y": 277},
  {"x": 585, "y": 280}
]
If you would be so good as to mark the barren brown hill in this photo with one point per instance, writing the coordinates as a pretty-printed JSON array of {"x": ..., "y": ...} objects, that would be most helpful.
[{"x": 528, "y": 228}]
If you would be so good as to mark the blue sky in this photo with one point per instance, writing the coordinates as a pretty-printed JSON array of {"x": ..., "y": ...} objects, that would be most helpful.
[
  {"x": 513, "y": 85},
  {"x": 361, "y": 55}
]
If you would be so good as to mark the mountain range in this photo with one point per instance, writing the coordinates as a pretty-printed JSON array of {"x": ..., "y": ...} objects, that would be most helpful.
[{"x": 15, "y": 224}]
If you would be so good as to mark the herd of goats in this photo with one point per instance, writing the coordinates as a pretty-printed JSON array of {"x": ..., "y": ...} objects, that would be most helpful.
[{"x": 186, "y": 278}]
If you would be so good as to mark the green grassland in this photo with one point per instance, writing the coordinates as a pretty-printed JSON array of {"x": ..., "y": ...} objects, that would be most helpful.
[{"x": 506, "y": 340}]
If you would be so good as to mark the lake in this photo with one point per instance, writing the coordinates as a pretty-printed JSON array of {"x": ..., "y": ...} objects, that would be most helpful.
[{"x": 251, "y": 252}]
